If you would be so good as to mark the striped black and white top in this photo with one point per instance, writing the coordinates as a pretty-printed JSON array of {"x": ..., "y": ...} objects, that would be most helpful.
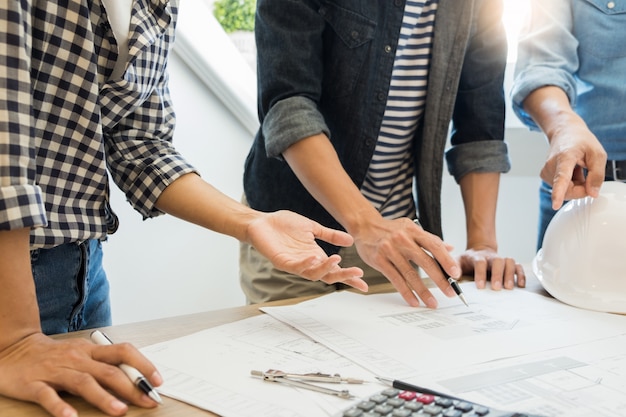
[{"x": 389, "y": 181}]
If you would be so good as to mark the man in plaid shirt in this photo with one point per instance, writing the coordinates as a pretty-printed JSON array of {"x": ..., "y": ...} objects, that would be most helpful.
[{"x": 84, "y": 86}]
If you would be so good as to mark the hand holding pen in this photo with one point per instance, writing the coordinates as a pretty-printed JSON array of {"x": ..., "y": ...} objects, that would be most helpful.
[
  {"x": 139, "y": 380},
  {"x": 453, "y": 283}
]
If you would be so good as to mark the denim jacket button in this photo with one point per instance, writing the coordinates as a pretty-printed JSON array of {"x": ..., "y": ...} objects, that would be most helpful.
[
  {"x": 610, "y": 5},
  {"x": 398, "y": 3},
  {"x": 387, "y": 48}
]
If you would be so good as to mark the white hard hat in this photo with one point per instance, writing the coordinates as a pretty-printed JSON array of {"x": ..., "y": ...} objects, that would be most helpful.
[{"x": 583, "y": 258}]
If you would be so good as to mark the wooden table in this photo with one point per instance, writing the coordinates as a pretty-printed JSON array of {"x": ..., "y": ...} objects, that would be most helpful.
[{"x": 147, "y": 333}]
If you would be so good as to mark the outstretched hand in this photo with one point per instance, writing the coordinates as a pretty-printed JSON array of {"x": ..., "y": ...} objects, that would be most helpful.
[{"x": 287, "y": 239}]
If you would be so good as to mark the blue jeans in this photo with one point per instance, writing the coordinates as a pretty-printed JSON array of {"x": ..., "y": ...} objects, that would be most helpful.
[
  {"x": 72, "y": 287},
  {"x": 546, "y": 213}
]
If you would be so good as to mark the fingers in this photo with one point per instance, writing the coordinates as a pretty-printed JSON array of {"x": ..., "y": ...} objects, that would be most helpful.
[
  {"x": 502, "y": 272},
  {"x": 561, "y": 181},
  {"x": 397, "y": 247},
  {"x": 569, "y": 180},
  {"x": 506, "y": 271},
  {"x": 329, "y": 271},
  {"x": 93, "y": 379},
  {"x": 480, "y": 272},
  {"x": 86, "y": 386},
  {"x": 409, "y": 283},
  {"x": 109, "y": 357},
  {"x": 434, "y": 258},
  {"x": 595, "y": 176},
  {"x": 521, "y": 276},
  {"x": 332, "y": 236},
  {"x": 37, "y": 367},
  {"x": 50, "y": 401},
  {"x": 440, "y": 251},
  {"x": 497, "y": 273}
]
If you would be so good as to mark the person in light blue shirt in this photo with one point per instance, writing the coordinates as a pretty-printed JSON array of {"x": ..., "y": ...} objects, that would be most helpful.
[{"x": 570, "y": 82}]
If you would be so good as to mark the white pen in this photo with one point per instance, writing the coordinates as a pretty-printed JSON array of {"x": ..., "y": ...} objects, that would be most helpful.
[{"x": 134, "y": 375}]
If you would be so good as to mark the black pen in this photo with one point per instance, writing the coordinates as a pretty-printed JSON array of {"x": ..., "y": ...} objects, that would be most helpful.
[
  {"x": 134, "y": 375},
  {"x": 405, "y": 386},
  {"x": 455, "y": 285}
]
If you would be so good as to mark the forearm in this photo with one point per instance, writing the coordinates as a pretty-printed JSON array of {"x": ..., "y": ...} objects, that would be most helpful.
[
  {"x": 550, "y": 109},
  {"x": 19, "y": 312},
  {"x": 315, "y": 163},
  {"x": 480, "y": 197},
  {"x": 192, "y": 199}
]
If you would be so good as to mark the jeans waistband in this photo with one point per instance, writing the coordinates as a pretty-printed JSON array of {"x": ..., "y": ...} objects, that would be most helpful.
[{"x": 615, "y": 170}]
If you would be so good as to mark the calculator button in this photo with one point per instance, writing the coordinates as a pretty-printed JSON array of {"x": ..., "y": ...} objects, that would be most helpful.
[
  {"x": 395, "y": 402},
  {"x": 366, "y": 405},
  {"x": 425, "y": 398},
  {"x": 378, "y": 398},
  {"x": 390, "y": 392},
  {"x": 353, "y": 412},
  {"x": 383, "y": 409},
  {"x": 407, "y": 395},
  {"x": 453, "y": 413},
  {"x": 413, "y": 406},
  {"x": 463, "y": 406},
  {"x": 401, "y": 412},
  {"x": 433, "y": 410},
  {"x": 444, "y": 402},
  {"x": 479, "y": 410}
]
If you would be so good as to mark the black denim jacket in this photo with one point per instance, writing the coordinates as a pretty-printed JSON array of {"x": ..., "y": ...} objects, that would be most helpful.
[{"x": 325, "y": 66}]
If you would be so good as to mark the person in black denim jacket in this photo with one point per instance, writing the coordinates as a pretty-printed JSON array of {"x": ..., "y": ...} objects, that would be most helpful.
[{"x": 324, "y": 71}]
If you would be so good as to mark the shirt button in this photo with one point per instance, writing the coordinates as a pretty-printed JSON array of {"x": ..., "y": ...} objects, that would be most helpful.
[
  {"x": 387, "y": 48},
  {"x": 610, "y": 5}
]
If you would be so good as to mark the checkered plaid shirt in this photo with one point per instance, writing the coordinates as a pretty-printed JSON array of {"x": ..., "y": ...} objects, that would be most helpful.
[{"x": 63, "y": 121}]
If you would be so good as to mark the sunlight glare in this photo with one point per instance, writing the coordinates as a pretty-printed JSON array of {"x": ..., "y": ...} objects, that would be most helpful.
[{"x": 514, "y": 14}]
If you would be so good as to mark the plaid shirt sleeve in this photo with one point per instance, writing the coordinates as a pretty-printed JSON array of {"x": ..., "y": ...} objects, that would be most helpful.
[
  {"x": 21, "y": 203},
  {"x": 140, "y": 154}
]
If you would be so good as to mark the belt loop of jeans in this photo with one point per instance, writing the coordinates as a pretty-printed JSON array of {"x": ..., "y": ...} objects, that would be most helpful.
[
  {"x": 615, "y": 170},
  {"x": 34, "y": 253}
]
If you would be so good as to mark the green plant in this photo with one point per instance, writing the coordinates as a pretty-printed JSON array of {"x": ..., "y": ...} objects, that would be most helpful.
[{"x": 235, "y": 14}]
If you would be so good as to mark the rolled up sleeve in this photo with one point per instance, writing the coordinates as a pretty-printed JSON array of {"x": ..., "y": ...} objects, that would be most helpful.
[
  {"x": 479, "y": 156},
  {"x": 21, "y": 202},
  {"x": 289, "y": 121}
]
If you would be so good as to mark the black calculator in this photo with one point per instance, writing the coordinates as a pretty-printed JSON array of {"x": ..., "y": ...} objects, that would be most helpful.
[{"x": 392, "y": 402}]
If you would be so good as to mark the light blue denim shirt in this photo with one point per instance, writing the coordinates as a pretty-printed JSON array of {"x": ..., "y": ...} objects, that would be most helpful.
[{"x": 579, "y": 46}]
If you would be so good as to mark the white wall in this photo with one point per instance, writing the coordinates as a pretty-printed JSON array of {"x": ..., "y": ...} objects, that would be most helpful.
[
  {"x": 163, "y": 266},
  {"x": 518, "y": 201}
]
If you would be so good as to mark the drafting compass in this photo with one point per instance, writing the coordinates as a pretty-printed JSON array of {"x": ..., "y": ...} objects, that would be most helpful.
[{"x": 299, "y": 380}]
